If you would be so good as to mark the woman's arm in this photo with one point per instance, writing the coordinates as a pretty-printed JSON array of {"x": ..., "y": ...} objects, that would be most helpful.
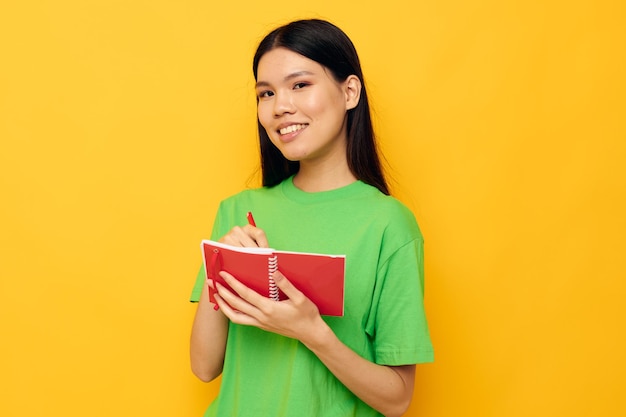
[
  {"x": 208, "y": 340},
  {"x": 388, "y": 389},
  {"x": 210, "y": 326}
]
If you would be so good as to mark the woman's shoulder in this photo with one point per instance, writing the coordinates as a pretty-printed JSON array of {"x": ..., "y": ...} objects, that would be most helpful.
[
  {"x": 390, "y": 214},
  {"x": 248, "y": 195},
  {"x": 401, "y": 219},
  {"x": 390, "y": 205}
]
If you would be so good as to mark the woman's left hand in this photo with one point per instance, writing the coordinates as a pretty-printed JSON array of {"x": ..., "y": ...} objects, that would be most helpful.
[{"x": 296, "y": 317}]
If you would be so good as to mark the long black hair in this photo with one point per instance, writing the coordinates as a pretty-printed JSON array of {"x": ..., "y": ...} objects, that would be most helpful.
[{"x": 329, "y": 46}]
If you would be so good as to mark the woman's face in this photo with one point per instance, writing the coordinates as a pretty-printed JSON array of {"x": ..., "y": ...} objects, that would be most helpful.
[{"x": 302, "y": 107}]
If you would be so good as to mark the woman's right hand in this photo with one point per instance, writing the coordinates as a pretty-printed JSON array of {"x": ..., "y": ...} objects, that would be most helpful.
[
  {"x": 247, "y": 236},
  {"x": 210, "y": 326}
]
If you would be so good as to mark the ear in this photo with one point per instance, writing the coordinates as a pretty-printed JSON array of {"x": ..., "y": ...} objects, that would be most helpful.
[{"x": 352, "y": 90}]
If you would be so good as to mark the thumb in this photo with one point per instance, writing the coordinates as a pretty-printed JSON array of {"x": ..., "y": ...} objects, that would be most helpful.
[{"x": 285, "y": 285}]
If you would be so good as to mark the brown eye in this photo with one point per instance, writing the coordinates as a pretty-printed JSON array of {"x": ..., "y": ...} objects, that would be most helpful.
[{"x": 266, "y": 93}]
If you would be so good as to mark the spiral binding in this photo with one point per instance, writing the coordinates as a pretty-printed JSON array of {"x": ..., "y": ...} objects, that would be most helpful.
[{"x": 272, "y": 267}]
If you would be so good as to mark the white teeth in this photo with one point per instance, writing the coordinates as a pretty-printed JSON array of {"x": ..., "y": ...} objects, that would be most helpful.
[{"x": 291, "y": 128}]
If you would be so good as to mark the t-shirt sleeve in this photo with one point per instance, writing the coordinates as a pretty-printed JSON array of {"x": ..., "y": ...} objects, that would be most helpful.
[{"x": 398, "y": 320}]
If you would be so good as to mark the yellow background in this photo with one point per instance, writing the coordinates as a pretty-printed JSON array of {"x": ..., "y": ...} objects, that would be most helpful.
[{"x": 123, "y": 123}]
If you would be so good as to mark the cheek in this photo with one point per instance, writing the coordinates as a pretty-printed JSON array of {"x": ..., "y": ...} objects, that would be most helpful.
[
  {"x": 313, "y": 105},
  {"x": 326, "y": 105},
  {"x": 264, "y": 116}
]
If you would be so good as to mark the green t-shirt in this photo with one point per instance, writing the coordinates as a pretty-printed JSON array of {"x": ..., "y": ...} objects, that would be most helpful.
[{"x": 266, "y": 374}]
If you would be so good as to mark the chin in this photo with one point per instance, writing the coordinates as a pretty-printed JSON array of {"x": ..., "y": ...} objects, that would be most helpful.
[{"x": 293, "y": 157}]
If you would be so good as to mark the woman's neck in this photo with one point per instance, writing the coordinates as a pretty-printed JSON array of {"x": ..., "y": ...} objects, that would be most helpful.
[{"x": 311, "y": 178}]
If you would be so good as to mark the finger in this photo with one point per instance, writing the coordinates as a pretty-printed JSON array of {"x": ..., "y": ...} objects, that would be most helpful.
[
  {"x": 238, "y": 236},
  {"x": 237, "y": 309},
  {"x": 232, "y": 313},
  {"x": 258, "y": 235},
  {"x": 227, "y": 301},
  {"x": 241, "y": 298},
  {"x": 241, "y": 290},
  {"x": 286, "y": 286}
]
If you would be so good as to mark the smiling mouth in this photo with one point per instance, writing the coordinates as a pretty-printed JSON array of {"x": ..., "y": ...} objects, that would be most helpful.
[{"x": 291, "y": 129}]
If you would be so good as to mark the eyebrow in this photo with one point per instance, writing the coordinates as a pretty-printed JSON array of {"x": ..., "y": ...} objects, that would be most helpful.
[{"x": 287, "y": 78}]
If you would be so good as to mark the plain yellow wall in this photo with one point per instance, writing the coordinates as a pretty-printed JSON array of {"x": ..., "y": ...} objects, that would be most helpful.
[{"x": 123, "y": 123}]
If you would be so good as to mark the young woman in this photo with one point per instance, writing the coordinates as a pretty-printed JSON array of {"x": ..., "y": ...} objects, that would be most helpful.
[{"x": 323, "y": 192}]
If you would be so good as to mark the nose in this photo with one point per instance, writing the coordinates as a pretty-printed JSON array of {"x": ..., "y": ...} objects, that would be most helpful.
[{"x": 283, "y": 103}]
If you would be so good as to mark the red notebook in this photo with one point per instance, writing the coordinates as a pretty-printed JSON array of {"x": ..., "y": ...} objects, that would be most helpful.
[{"x": 319, "y": 277}]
